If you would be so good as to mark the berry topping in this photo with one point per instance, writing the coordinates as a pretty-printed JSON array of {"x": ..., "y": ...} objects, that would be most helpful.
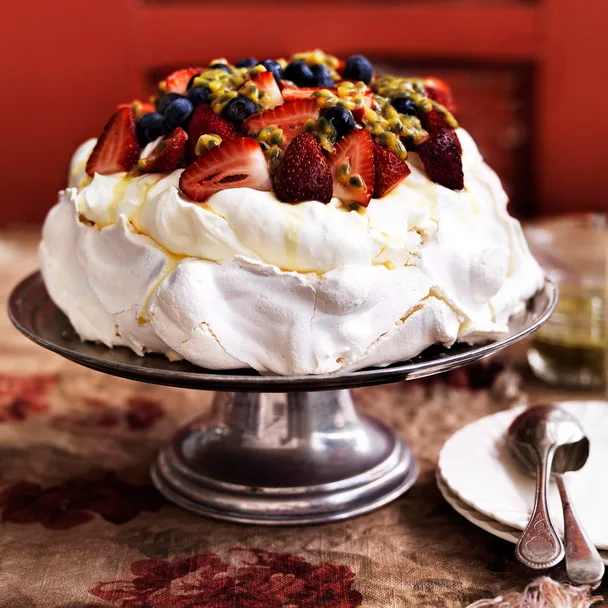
[
  {"x": 178, "y": 113},
  {"x": 340, "y": 119},
  {"x": 303, "y": 174},
  {"x": 299, "y": 73},
  {"x": 266, "y": 83},
  {"x": 440, "y": 92},
  {"x": 177, "y": 82},
  {"x": 433, "y": 121},
  {"x": 321, "y": 76},
  {"x": 404, "y": 105},
  {"x": 352, "y": 167},
  {"x": 247, "y": 62},
  {"x": 238, "y": 109},
  {"x": 289, "y": 117},
  {"x": 206, "y": 122},
  {"x": 166, "y": 100},
  {"x": 238, "y": 163},
  {"x": 389, "y": 170},
  {"x": 149, "y": 127},
  {"x": 442, "y": 159},
  {"x": 274, "y": 68},
  {"x": 358, "y": 67},
  {"x": 293, "y": 93},
  {"x": 198, "y": 95},
  {"x": 221, "y": 66},
  {"x": 140, "y": 107},
  {"x": 117, "y": 148},
  {"x": 168, "y": 155}
]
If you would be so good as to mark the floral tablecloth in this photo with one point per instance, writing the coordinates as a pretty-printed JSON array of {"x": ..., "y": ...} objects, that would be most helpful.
[{"x": 82, "y": 526}]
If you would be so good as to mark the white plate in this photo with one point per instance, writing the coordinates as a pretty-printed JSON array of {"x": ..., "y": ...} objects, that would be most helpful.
[
  {"x": 482, "y": 521},
  {"x": 477, "y": 467}
]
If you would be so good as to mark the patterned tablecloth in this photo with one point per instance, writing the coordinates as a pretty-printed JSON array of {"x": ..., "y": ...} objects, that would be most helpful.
[{"x": 83, "y": 527}]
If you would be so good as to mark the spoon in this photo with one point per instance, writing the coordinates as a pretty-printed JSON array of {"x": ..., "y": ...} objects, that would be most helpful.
[{"x": 548, "y": 430}]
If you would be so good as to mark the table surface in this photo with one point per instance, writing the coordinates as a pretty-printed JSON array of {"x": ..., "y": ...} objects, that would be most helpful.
[{"x": 82, "y": 526}]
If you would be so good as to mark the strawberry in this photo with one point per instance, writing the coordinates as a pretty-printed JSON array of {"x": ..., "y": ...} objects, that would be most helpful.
[
  {"x": 440, "y": 92},
  {"x": 295, "y": 93},
  {"x": 303, "y": 174},
  {"x": 352, "y": 167},
  {"x": 237, "y": 163},
  {"x": 389, "y": 170},
  {"x": 368, "y": 102},
  {"x": 433, "y": 122},
  {"x": 442, "y": 159},
  {"x": 266, "y": 82},
  {"x": 290, "y": 117},
  {"x": 168, "y": 155},
  {"x": 117, "y": 148},
  {"x": 139, "y": 107},
  {"x": 205, "y": 121},
  {"x": 177, "y": 82}
]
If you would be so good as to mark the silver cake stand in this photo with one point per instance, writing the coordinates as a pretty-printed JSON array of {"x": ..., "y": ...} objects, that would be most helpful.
[{"x": 277, "y": 449}]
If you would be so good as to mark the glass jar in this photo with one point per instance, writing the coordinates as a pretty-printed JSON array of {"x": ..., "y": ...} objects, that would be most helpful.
[{"x": 570, "y": 349}]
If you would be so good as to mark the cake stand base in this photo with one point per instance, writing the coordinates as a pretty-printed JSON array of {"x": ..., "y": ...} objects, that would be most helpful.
[{"x": 284, "y": 459}]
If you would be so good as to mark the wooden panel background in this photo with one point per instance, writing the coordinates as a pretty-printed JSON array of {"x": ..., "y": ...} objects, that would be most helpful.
[{"x": 529, "y": 77}]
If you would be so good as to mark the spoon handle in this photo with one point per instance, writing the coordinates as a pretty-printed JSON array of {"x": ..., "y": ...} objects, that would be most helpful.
[
  {"x": 584, "y": 565},
  {"x": 539, "y": 546}
]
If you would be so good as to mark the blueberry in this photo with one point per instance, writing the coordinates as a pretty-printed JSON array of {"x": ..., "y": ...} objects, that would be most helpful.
[
  {"x": 178, "y": 114},
  {"x": 166, "y": 100},
  {"x": 238, "y": 109},
  {"x": 247, "y": 62},
  {"x": 299, "y": 73},
  {"x": 404, "y": 105},
  {"x": 358, "y": 67},
  {"x": 220, "y": 66},
  {"x": 272, "y": 66},
  {"x": 198, "y": 95},
  {"x": 149, "y": 127},
  {"x": 321, "y": 75},
  {"x": 191, "y": 82},
  {"x": 341, "y": 120}
]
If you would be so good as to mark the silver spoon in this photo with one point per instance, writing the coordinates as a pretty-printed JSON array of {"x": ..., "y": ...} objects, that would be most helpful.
[{"x": 538, "y": 436}]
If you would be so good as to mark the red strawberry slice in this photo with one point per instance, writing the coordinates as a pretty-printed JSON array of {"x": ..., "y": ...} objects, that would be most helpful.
[
  {"x": 117, "y": 148},
  {"x": 352, "y": 167},
  {"x": 238, "y": 163},
  {"x": 442, "y": 159},
  {"x": 440, "y": 92},
  {"x": 168, "y": 155},
  {"x": 303, "y": 174},
  {"x": 290, "y": 117},
  {"x": 295, "y": 93},
  {"x": 389, "y": 170},
  {"x": 265, "y": 81},
  {"x": 177, "y": 82},
  {"x": 205, "y": 121}
]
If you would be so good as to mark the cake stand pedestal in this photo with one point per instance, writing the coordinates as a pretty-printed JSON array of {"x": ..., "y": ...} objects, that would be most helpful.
[{"x": 276, "y": 449}]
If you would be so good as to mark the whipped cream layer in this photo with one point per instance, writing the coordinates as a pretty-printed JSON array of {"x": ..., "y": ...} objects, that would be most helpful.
[{"x": 245, "y": 280}]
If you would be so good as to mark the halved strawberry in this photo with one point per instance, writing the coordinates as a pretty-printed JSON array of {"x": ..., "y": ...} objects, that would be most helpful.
[
  {"x": 303, "y": 174},
  {"x": 290, "y": 117},
  {"x": 168, "y": 155},
  {"x": 177, "y": 82},
  {"x": 117, "y": 148},
  {"x": 442, "y": 159},
  {"x": 205, "y": 121},
  {"x": 389, "y": 170},
  {"x": 440, "y": 92},
  {"x": 238, "y": 163},
  {"x": 352, "y": 166},
  {"x": 266, "y": 82},
  {"x": 295, "y": 93},
  {"x": 433, "y": 122}
]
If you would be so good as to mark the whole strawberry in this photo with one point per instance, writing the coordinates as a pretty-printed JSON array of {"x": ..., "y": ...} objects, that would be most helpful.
[
  {"x": 441, "y": 156},
  {"x": 303, "y": 174}
]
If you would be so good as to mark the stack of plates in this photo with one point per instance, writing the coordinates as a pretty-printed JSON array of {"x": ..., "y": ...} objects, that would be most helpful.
[{"x": 480, "y": 480}]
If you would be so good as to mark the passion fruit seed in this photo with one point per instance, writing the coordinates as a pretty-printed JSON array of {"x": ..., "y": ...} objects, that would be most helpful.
[
  {"x": 206, "y": 142},
  {"x": 393, "y": 143},
  {"x": 355, "y": 181},
  {"x": 273, "y": 156}
]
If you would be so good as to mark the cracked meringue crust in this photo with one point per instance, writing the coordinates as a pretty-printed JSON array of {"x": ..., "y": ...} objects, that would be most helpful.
[{"x": 247, "y": 281}]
